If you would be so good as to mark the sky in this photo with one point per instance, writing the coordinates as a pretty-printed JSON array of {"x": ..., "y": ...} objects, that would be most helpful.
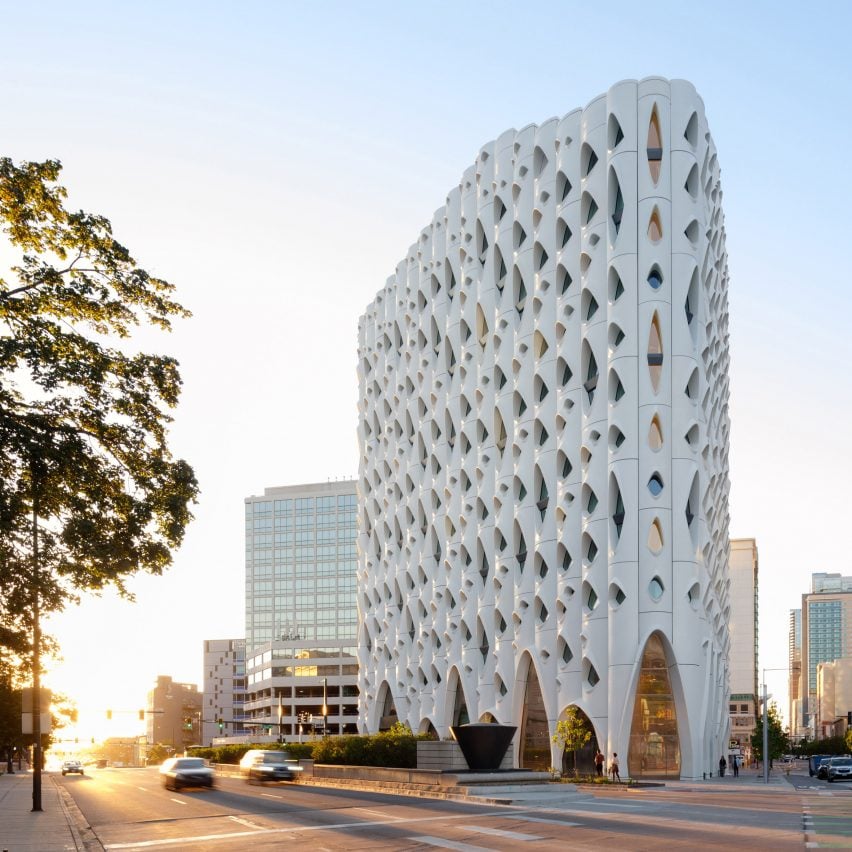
[{"x": 276, "y": 160}]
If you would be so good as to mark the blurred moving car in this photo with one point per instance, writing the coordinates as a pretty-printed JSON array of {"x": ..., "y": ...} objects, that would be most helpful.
[
  {"x": 839, "y": 769},
  {"x": 72, "y": 766},
  {"x": 814, "y": 762},
  {"x": 178, "y": 772},
  {"x": 262, "y": 765}
]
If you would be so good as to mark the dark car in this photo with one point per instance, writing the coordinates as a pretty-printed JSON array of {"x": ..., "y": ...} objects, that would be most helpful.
[
  {"x": 178, "y": 772},
  {"x": 814, "y": 762},
  {"x": 261, "y": 765},
  {"x": 839, "y": 769}
]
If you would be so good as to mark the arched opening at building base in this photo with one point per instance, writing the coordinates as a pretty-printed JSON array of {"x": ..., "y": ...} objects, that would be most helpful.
[
  {"x": 580, "y": 761},
  {"x": 654, "y": 750},
  {"x": 534, "y": 752}
]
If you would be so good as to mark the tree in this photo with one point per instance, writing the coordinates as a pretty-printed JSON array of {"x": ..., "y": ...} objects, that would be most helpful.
[
  {"x": 89, "y": 491},
  {"x": 849, "y": 739},
  {"x": 572, "y": 733},
  {"x": 778, "y": 740}
]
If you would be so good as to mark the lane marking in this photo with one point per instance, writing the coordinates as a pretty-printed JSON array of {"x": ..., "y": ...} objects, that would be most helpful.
[
  {"x": 173, "y": 841},
  {"x": 499, "y": 832},
  {"x": 449, "y": 844},
  {"x": 550, "y": 821},
  {"x": 143, "y": 789},
  {"x": 246, "y": 823},
  {"x": 379, "y": 814},
  {"x": 271, "y": 796},
  {"x": 179, "y": 801}
]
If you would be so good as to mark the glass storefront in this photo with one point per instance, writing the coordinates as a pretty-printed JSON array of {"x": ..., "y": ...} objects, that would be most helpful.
[
  {"x": 535, "y": 736},
  {"x": 654, "y": 745}
]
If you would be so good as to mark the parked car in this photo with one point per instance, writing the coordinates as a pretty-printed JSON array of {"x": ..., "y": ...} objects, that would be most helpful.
[
  {"x": 839, "y": 769},
  {"x": 178, "y": 772},
  {"x": 814, "y": 761},
  {"x": 261, "y": 765},
  {"x": 72, "y": 766}
]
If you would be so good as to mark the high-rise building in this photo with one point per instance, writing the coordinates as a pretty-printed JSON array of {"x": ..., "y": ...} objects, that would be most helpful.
[
  {"x": 826, "y": 635},
  {"x": 543, "y": 435},
  {"x": 224, "y": 689},
  {"x": 301, "y": 614},
  {"x": 173, "y": 714},
  {"x": 833, "y": 697},
  {"x": 794, "y": 716},
  {"x": 743, "y": 627}
]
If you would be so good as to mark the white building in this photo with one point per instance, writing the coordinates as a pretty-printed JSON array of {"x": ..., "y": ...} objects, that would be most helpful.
[
  {"x": 743, "y": 628},
  {"x": 543, "y": 430},
  {"x": 301, "y": 616},
  {"x": 224, "y": 689}
]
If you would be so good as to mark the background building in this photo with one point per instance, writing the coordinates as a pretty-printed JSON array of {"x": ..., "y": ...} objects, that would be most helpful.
[
  {"x": 301, "y": 614},
  {"x": 174, "y": 714},
  {"x": 224, "y": 689},
  {"x": 826, "y": 635},
  {"x": 834, "y": 697},
  {"x": 543, "y": 435},
  {"x": 795, "y": 723},
  {"x": 743, "y": 627}
]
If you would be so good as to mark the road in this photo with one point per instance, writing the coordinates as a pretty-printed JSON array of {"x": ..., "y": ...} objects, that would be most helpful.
[{"x": 129, "y": 809}]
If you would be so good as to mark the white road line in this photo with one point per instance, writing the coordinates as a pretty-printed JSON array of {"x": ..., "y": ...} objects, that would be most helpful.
[
  {"x": 499, "y": 832},
  {"x": 271, "y": 796},
  {"x": 449, "y": 844},
  {"x": 246, "y": 823},
  {"x": 143, "y": 789},
  {"x": 179, "y": 801},
  {"x": 550, "y": 821},
  {"x": 172, "y": 841},
  {"x": 378, "y": 814}
]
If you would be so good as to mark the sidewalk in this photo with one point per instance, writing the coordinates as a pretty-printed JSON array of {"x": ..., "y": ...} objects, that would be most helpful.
[
  {"x": 51, "y": 830},
  {"x": 750, "y": 779}
]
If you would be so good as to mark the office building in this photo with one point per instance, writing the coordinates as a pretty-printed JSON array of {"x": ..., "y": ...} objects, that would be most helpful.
[
  {"x": 743, "y": 628},
  {"x": 301, "y": 614},
  {"x": 224, "y": 689},
  {"x": 795, "y": 724},
  {"x": 173, "y": 714},
  {"x": 826, "y": 636},
  {"x": 833, "y": 697},
  {"x": 543, "y": 437}
]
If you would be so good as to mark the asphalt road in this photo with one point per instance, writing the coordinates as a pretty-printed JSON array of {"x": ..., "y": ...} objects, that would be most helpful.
[{"x": 129, "y": 809}]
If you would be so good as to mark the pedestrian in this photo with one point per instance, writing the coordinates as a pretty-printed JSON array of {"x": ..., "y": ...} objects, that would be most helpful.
[
  {"x": 722, "y": 765},
  {"x": 736, "y": 766},
  {"x": 599, "y": 762},
  {"x": 613, "y": 767}
]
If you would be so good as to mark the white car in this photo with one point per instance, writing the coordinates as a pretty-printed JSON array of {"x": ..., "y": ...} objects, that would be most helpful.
[
  {"x": 72, "y": 766},
  {"x": 178, "y": 772}
]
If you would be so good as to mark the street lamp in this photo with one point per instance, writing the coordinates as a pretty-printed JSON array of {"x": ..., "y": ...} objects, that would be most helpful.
[{"x": 766, "y": 725}]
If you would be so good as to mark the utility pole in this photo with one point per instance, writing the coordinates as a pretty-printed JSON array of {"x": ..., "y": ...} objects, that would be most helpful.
[
  {"x": 325, "y": 706},
  {"x": 36, "y": 648}
]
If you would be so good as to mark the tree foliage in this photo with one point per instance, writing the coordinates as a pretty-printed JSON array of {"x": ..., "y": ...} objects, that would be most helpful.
[
  {"x": 572, "y": 732},
  {"x": 778, "y": 740},
  {"x": 83, "y": 417}
]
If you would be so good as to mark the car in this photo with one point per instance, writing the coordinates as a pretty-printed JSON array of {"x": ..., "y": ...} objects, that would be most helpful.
[
  {"x": 262, "y": 765},
  {"x": 72, "y": 766},
  {"x": 179, "y": 772},
  {"x": 814, "y": 762},
  {"x": 839, "y": 769}
]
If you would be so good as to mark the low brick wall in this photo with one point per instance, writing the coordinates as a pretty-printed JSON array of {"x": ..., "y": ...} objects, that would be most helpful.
[{"x": 446, "y": 756}]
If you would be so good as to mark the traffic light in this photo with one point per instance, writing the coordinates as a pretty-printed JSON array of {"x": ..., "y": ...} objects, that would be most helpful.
[
  {"x": 221, "y": 725},
  {"x": 109, "y": 714},
  {"x": 141, "y": 715},
  {"x": 187, "y": 723},
  {"x": 849, "y": 718}
]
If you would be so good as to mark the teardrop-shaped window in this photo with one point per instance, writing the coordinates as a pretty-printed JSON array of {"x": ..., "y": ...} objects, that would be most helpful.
[
  {"x": 499, "y": 430},
  {"x": 481, "y": 326},
  {"x": 656, "y": 588},
  {"x": 655, "y": 227},
  {"x": 655, "y": 353},
  {"x": 655, "y": 146},
  {"x": 655, "y": 484},
  {"x": 655, "y": 434},
  {"x": 655, "y": 278},
  {"x": 655, "y": 537}
]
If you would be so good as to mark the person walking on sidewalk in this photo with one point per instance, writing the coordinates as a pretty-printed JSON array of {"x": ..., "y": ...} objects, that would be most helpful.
[
  {"x": 599, "y": 762},
  {"x": 613, "y": 767},
  {"x": 735, "y": 764},
  {"x": 722, "y": 765}
]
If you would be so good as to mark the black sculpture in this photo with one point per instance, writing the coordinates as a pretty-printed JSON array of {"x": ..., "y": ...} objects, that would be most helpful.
[{"x": 483, "y": 744}]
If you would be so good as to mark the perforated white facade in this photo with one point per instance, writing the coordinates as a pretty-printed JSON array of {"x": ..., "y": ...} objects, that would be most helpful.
[{"x": 543, "y": 431}]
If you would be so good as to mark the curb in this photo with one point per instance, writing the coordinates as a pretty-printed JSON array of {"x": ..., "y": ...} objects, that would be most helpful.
[{"x": 85, "y": 839}]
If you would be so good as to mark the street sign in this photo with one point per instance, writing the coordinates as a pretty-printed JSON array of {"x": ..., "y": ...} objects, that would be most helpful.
[{"x": 27, "y": 723}]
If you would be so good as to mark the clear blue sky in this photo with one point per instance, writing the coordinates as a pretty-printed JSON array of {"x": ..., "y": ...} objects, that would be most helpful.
[{"x": 276, "y": 160}]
